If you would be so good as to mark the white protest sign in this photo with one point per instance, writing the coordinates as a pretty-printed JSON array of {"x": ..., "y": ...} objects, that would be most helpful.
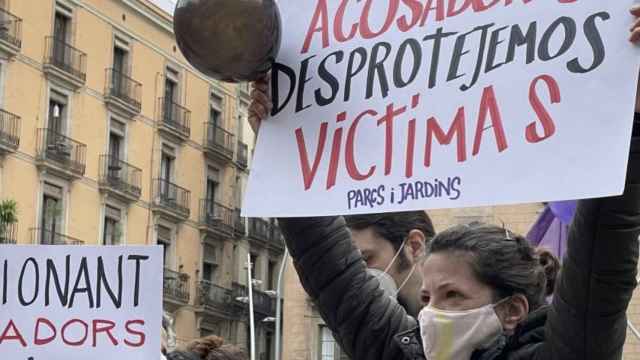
[
  {"x": 404, "y": 105},
  {"x": 80, "y": 302}
]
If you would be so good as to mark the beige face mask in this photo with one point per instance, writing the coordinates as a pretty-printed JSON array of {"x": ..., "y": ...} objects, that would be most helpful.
[{"x": 455, "y": 335}]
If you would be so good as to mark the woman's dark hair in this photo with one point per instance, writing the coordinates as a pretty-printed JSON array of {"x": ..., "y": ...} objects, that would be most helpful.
[
  {"x": 208, "y": 348},
  {"x": 394, "y": 227},
  {"x": 502, "y": 260}
]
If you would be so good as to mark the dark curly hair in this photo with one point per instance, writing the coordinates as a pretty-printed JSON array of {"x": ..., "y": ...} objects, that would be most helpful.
[
  {"x": 502, "y": 260},
  {"x": 208, "y": 348}
]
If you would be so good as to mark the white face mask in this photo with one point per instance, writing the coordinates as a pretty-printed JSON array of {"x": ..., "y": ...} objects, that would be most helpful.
[
  {"x": 455, "y": 335},
  {"x": 386, "y": 281}
]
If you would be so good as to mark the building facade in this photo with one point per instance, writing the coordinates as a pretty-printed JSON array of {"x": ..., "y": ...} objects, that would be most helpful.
[
  {"x": 302, "y": 317},
  {"x": 109, "y": 137}
]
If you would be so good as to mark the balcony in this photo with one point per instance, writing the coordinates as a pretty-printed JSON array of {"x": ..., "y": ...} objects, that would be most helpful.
[
  {"x": 48, "y": 237},
  {"x": 259, "y": 230},
  {"x": 65, "y": 63},
  {"x": 175, "y": 120},
  {"x": 276, "y": 239},
  {"x": 243, "y": 155},
  {"x": 8, "y": 233},
  {"x": 214, "y": 298},
  {"x": 218, "y": 143},
  {"x": 9, "y": 132},
  {"x": 176, "y": 287},
  {"x": 122, "y": 94},
  {"x": 239, "y": 223},
  {"x": 171, "y": 200},
  {"x": 263, "y": 304},
  {"x": 10, "y": 33},
  {"x": 120, "y": 179},
  {"x": 216, "y": 218},
  {"x": 61, "y": 155}
]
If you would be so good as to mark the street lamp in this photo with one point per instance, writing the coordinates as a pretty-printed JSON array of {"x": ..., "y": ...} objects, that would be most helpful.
[
  {"x": 252, "y": 329},
  {"x": 243, "y": 299},
  {"x": 277, "y": 294},
  {"x": 283, "y": 266}
]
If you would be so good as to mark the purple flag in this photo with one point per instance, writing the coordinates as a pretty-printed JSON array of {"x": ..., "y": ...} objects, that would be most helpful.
[{"x": 552, "y": 227}]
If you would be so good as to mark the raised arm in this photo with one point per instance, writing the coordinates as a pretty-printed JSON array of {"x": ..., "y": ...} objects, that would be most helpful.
[
  {"x": 332, "y": 271},
  {"x": 588, "y": 317}
]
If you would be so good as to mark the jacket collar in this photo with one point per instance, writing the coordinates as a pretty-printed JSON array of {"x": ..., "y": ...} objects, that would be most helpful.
[{"x": 410, "y": 342}]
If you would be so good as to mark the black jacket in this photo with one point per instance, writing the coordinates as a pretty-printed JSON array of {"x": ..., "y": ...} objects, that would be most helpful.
[{"x": 587, "y": 319}]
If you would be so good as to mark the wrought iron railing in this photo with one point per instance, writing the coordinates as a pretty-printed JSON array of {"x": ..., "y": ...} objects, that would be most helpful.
[
  {"x": 172, "y": 196},
  {"x": 66, "y": 57},
  {"x": 175, "y": 116},
  {"x": 215, "y": 215},
  {"x": 120, "y": 176},
  {"x": 121, "y": 86},
  {"x": 9, "y": 130},
  {"x": 259, "y": 229},
  {"x": 64, "y": 151},
  {"x": 8, "y": 233},
  {"x": 50, "y": 237},
  {"x": 10, "y": 28},
  {"x": 219, "y": 139},
  {"x": 210, "y": 294},
  {"x": 176, "y": 285},
  {"x": 262, "y": 302},
  {"x": 239, "y": 222},
  {"x": 276, "y": 235},
  {"x": 243, "y": 154}
]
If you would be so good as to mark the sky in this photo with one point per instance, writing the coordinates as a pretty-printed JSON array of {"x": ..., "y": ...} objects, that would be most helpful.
[{"x": 167, "y": 5}]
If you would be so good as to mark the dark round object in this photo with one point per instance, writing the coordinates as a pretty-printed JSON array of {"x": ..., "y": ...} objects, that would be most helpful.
[{"x": 229, "y": 40}]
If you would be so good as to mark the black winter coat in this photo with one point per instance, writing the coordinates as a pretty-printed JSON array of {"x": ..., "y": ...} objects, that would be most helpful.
[{"x": 586, "y": 321}]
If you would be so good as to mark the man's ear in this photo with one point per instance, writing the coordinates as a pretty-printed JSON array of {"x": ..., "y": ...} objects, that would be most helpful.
[
  {"x": 512, "y": 312},
  {"x": 415, "y": 246}
]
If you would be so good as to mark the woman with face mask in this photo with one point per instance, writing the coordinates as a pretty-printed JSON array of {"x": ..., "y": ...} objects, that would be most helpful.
[{"x": 483, "y": 286}]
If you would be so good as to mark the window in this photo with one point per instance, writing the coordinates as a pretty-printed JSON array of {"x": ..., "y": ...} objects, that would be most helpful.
[
  {"x": 165, "y": 238},
  {"x": 215, "y": 112},
  {"x": 238, "y": 192},
  {"x": 268, "y": 344},
  {"x": 254, "y": 265},
  {"x": 115, "y": 146},
  {"x": 62, "y": 24},
  {"x": 215, "y": 119},
  {"x": 234, "y": 263},
  {"x": 120, "y": 59},
  {"x": 167, "y": 163},
  {"x": 117, "y": 134},
  {"x": 112, "y": 232},
  {"x": 58, "y": 112},
  {"x": 51, "y": 214},
  {"x": 171, "y": 95},
  {"x": 213, "y": 181},
  {"x": 209, "y": 263},
  {"x": 329, "y": 348},
  {"x": 271, "y": 276},
  {"x": 120, "y": 70},
  {"x": 243, "y": 118},
  {"x": 61, "y": 34}
]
